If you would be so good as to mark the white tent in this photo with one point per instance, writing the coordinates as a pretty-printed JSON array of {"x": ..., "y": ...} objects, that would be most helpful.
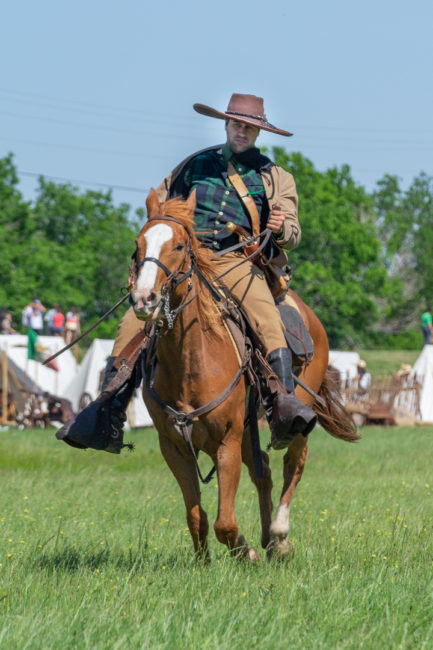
[
  {"x": 423, "y": 370},
  {"x": 345, "y": 362},
  {"x": 88, "y": 380},
  {"x": 31, "y": 375}
]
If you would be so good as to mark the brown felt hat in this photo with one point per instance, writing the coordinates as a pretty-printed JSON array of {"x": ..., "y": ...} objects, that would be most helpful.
[{"x": 244, "y": 108}]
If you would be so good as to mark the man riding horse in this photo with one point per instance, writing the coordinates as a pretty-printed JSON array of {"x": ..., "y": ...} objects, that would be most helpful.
[{"x": 234, "y": 184}]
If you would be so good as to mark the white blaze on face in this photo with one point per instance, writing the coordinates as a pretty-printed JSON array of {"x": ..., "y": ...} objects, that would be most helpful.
[{"x": 155, "y": 237}]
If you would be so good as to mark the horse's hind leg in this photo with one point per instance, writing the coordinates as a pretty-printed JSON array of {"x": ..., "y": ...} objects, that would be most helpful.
[
  {"x": 294, "y": 459},
  {"x": 185, "y": 472},
  {"x": 263, "y": 486},
  {"x": 294, "y": 463}
]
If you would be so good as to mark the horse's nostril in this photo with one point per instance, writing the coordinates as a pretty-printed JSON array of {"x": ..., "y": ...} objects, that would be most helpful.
[{"x": 152, "y": 297}]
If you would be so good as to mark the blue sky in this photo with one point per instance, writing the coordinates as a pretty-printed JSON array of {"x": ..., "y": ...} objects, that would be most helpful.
[{"x": 102, "y": 92}]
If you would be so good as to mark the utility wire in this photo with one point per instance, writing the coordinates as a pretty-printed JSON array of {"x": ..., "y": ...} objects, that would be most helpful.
[
  {"x": 307, "y": 146},
  {"x": 145, "y": 115},
  {"x": 140, "y": 114},
  {"x": 177, "y": 135},
  {"x": 144, "y": 154},
  {"x": 125, "y": 188}
]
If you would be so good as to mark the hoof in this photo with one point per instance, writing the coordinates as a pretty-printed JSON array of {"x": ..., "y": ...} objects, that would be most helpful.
[
  {"x": 253, "y": 556},
  {"x": 280, "y": 549},
  {"x": 245, "y": 552}
]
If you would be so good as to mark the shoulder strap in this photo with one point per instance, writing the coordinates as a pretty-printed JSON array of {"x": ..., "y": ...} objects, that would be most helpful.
[{"x": 242, "y": 192}]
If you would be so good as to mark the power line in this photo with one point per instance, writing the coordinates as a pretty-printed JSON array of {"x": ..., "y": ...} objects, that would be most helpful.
[
  {"x": 125, "y": 188},
  {"x": 92, "y": 126},
  {"x": 140, "y": 114},
  {"x": 306, "y": 137},
  {"x": 85, "y": 149},
  {"x": 145, "y": 115},
  {"x": 145, "y": 154}
]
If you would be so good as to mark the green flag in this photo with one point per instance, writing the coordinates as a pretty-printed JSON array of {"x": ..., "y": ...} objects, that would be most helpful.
[
  {"x": 32, "y": 338},
  {"x": 38, "y": 352}
]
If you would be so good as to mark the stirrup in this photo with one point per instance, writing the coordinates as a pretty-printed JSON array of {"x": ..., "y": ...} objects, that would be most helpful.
[{"x": 287, "y": 418}]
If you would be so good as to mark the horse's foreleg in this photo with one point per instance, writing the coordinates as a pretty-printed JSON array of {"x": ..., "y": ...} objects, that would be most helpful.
[
  {"x": 294, "y": 463},
  {"x": 263, "y": 486},
  {"x": 228, "y": 462},
  {"x": 185, "y": 472}
]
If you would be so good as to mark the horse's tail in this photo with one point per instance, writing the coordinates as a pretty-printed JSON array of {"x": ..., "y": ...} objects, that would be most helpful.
[{"x": 333, "y": 417}]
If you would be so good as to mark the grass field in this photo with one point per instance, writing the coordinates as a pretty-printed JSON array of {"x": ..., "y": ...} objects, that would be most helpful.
[{"x": 95, "y": 551}]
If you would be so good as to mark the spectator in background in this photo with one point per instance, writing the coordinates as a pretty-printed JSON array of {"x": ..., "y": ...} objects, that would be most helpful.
[
  {"x": 427, "y": 326},
  {"x": 48, "y": 318},
  {"x": 403, "y": 374},
  {"x": 33, "y": 316},
  {"x": 58, "y": 322},
  {"x": 364, "y": 377},
  {"x": 6, "y": 322},
  {"x": 72, "y": 326}
]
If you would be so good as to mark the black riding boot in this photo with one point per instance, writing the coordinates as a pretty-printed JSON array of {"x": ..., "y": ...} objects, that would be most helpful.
[
  {"x": 286, "y": 414},
  {"x": 100, "y": 424}
]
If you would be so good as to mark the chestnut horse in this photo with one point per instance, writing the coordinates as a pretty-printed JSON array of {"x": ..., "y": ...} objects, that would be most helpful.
[{"x": 197, "y": 398}]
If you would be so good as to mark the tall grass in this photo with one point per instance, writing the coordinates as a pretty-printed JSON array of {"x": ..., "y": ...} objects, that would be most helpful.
[{"x": 95, "y": 551}]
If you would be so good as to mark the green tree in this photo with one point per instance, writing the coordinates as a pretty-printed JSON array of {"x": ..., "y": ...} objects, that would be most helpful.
[
  {"x": 15, "y": 232},
  {"x": 337, "y": 268},
  {"x": 405, "y": 226},
  {"x": 70, "y": 248}
]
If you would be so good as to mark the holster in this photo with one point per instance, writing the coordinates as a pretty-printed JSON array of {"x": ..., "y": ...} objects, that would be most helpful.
[{"x": 277, "y": 282}]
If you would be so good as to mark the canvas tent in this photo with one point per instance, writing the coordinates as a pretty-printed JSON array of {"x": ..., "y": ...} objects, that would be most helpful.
[
  {"x": 345, "y": 362},
  {"x": 25, "y": 374},
  {"x": 423, "y": 371},
  {"x": 88, "y": 381}
]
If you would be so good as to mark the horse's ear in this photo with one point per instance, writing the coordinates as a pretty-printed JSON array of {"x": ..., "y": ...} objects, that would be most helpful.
[
  {"x": 153, "y": 205},
  {"x": 192, "y": 201}
]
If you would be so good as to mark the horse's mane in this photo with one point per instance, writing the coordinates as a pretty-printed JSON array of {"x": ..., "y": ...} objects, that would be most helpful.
[{"x": 209, "y": 313}]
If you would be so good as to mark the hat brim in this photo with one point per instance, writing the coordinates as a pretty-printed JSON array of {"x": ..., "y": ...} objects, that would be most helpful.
[{"x": 259, "y": 123}]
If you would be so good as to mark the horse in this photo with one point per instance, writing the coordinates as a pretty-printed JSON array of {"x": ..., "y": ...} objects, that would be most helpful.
[{"x": 198, "y": 392}]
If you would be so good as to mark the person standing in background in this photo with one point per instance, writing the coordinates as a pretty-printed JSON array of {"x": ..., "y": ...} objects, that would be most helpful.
[
  {"x": 32, "y": 316},
  {"x": 48, "y": 318},
  {"x": 72, "y": 326},
  {"x": 58, "y": 322},
  {"x": 427, "y": 326},
  {"x": 6, "y": 322},
  {"x": 364, "y": 377}
]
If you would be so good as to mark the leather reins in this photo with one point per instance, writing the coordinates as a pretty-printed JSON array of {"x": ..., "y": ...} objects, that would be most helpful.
[{"x": 173, "y": 281}]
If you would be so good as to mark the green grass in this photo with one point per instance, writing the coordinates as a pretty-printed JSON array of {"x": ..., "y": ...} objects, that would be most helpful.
[
  {"x": 387, "y": 362},
  {"x": 95, "y": 551}
]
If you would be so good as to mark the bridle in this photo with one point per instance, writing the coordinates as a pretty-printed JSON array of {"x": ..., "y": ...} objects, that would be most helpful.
[
  {"x": 176, "y": 277},
  {"x": 172, "y": 280}
]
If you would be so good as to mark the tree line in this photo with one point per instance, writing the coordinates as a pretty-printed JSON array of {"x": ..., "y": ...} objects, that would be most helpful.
[{"x": 364, "y": 265}]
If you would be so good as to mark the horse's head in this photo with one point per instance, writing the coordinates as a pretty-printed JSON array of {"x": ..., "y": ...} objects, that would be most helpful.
[{"x": 162, "y": 256}]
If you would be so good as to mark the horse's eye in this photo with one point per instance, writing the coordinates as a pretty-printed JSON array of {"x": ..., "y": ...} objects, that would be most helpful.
[{"x": 179, "y": 247}]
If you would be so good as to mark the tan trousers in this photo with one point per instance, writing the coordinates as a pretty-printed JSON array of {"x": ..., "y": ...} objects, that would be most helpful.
[{"x": 248, "y": 285}]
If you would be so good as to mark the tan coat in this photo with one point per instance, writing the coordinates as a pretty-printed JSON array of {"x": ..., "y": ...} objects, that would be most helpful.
[{"x": 279, "y": 187}]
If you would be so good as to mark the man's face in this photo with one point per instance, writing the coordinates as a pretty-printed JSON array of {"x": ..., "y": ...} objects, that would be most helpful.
[{"x": 241, "y": 136}]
